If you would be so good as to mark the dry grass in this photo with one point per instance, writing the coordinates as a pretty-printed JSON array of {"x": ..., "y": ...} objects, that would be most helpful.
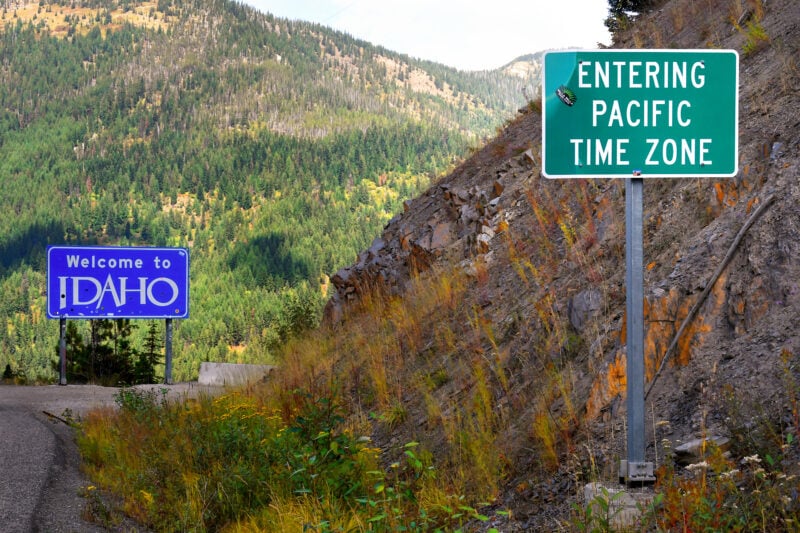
[{"x": 58, "y": 20}]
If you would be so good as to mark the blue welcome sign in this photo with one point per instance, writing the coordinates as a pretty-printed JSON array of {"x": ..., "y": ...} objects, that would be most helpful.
[{"x": 117, "y": 282}]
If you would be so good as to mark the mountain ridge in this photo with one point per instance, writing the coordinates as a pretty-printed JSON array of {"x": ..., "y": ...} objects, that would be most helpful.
[
  {"x": 67, "y": 19},
  {"x": 210, "y": 125}
]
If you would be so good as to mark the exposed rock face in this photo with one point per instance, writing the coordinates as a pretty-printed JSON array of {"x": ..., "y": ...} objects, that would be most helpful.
[
  {"x": 449, "y": 221},
  {"x": 546, "y": 261}
]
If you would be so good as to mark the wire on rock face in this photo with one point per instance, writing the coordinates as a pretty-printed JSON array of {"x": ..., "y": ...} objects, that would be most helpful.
[{"x": 693, "y": 311}]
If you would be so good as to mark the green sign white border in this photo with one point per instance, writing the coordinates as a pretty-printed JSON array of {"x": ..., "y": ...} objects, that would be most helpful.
[{"x": 635, "y": 171}]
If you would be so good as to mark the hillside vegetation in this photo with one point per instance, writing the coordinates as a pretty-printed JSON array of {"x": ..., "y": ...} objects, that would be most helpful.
[
  {"x": 274, "y": 150},
  {"x": 470, "y": 374}
]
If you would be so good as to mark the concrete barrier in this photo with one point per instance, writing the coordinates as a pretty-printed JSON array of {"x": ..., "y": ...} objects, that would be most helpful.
[{"x": 230, "y": 374}]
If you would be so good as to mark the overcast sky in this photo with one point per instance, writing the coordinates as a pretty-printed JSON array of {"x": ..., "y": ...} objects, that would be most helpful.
[{"x": 466, "y": 34}]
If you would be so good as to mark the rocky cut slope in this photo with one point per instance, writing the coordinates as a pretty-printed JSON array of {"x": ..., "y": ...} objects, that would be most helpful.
[{"x": 544, "y": 262}]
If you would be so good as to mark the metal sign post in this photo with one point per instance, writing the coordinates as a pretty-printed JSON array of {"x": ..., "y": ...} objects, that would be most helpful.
[
  {"x": 168, "y": 353},
  {"x": 62, "y": 351},
  {"x": 638, "y": 114},
  {"x": 635, "y": 468}
]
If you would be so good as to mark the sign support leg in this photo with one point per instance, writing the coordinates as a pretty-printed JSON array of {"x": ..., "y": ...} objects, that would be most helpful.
[
  {"x": 635, "y": 468},
  {"x": 62, "y": 351},
  {"x": 168, "y": 353}
]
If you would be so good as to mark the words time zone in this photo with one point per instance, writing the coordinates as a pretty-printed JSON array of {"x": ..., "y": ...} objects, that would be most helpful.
[{"x": 596, "y": 152}]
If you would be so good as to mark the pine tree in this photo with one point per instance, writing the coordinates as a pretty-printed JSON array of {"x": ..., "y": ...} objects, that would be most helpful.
[
  {"x": 79, "y": 364},
  {"x": 144, "y": 370},
  {"x": 619, "y": 12},
  {"x": 107, "y": 359},
  {"x": 123, "y": 352}
]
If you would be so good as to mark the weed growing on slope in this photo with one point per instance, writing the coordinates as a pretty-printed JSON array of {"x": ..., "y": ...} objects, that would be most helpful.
[
  {"x": 234, "y": 464},
  {"x": 718, "y": 494},
  {"x": 599, "y": 514},
  {"x": 206, "y": 464}
]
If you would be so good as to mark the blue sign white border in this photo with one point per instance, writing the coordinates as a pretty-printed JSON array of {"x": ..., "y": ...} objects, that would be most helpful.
[{"x": 184, "y": 278}]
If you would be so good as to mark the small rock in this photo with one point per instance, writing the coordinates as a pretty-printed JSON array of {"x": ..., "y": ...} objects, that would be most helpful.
[
  {"x": 342, "y": 277},
  {"x": 498, "y": 188},
  {"x": 377, "y": 246},
  {"x": 468, "y": 214},
  {"x": 583, "y": 306},
  {"x": 777, "y": 151},
  {"x": 694, "y": 450},
  {"x": 529, "y": 156},
  {"x": 482, "y": 243},
  {"x": 441, "y": 236}
]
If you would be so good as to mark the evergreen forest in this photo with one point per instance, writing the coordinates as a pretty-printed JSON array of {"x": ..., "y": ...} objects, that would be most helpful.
[{"x": 273, "y": 150}]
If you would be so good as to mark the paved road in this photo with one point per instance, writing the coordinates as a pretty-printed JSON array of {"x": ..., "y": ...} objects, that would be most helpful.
[
  {"x": 41, "y": 484},
  {"x": 40, "y": 477},
  {"x": 27, "y": 451}
]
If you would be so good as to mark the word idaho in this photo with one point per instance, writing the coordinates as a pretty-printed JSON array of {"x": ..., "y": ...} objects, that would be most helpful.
[{"x": 86, "y": 291}]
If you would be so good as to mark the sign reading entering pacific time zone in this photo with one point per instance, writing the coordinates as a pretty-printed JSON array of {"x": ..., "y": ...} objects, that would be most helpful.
[
  {"x": 649, "y": 113},
  {"x": 117, "y": 282}
]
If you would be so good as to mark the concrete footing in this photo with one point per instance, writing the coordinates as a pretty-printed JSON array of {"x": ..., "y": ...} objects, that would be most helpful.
[
  {"x": 230, "y": 374},
  {"x": 617, "y": 507}
]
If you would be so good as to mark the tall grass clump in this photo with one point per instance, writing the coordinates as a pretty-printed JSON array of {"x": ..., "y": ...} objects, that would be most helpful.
[
  {"x": 720, "y": 494},
  {"x": 751, "y": 487},
  {"x": 204, "y": 465},
  {"x": 234, "y": 464}
]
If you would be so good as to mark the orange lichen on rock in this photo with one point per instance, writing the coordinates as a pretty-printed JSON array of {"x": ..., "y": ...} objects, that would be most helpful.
[
  {"x": 726, "y": 193},
  {"x": 695, "y": 333},
  {"x": 608, "y": 386},
  {"x": 663, "y": 317}
]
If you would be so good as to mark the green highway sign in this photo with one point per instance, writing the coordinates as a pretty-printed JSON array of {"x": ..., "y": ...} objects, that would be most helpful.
[{"x": 648, "y": 113}]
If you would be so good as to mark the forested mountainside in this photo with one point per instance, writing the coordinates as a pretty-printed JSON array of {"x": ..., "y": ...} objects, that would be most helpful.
[{"x": 273, "y": 149}]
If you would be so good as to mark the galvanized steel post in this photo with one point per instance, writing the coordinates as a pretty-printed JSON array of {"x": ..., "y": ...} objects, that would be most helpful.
[
  {"x": 62, "y": 351},
  {"x": 168, "y": 353},
  {"x": 635, "y": 469}
]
